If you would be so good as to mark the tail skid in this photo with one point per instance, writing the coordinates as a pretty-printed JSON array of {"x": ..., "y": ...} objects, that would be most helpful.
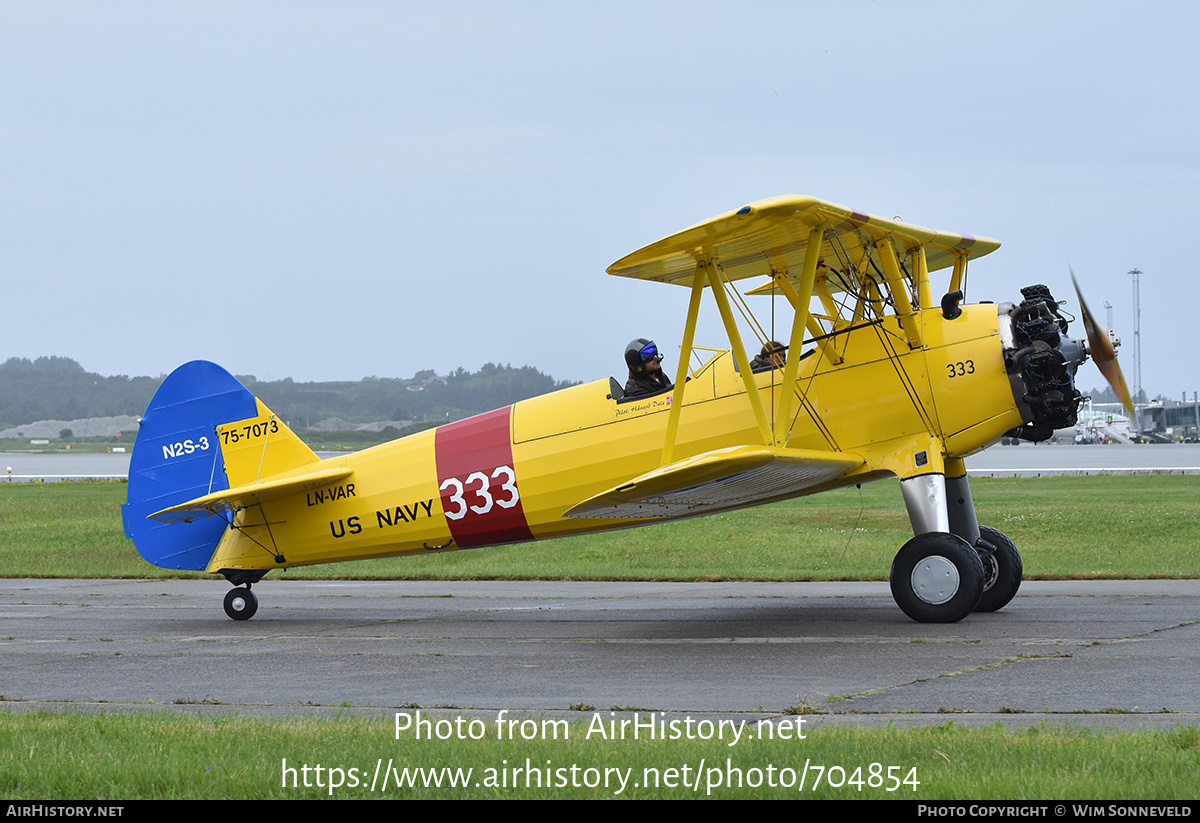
[{"x": 203, "y": 433}]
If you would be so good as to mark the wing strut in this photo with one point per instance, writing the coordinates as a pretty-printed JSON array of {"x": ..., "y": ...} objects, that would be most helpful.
[
  {"x": 923, "y": 289},
  {"x": 685, "y": 357},
  {"x": 784, "y": 285},
  {"x": 791, "y": 369},
  {"x": 739, "y": 348},
  {"x": 773, "y": 432},
  {"x": 899, "y": 289}
]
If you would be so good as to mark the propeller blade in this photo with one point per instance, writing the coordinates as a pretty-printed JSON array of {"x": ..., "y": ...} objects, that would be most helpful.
[{"x": 1103, "y": 353}]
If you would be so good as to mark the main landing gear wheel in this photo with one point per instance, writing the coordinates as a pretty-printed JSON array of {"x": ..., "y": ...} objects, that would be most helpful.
[
  {"x": 937, "y": 578},
  {"x": 241, "y": 603},
  {"x": 1002, "y": 570}
]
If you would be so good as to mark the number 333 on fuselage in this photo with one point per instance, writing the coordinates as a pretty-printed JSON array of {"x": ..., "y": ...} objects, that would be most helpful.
[{"x": 879, "y": 380}]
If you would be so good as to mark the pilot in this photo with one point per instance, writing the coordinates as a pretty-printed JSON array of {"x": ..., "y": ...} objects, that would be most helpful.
[
  {"x": 772, "y": 356},
  {"x": 645, "y": 369}
]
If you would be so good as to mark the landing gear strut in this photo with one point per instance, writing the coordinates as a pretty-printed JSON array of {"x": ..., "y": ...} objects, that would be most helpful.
[{"x": 241, "y": 603}]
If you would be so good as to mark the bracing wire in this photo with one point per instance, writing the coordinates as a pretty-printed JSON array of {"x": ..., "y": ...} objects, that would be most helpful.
[{"x": 862, "y": 506}]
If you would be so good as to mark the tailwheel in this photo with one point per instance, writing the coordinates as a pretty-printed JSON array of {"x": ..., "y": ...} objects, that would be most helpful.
[
  {"x": 1002, "y": 569},
  {"x": 241, "y": 603},
  {"x": 937, "y": 578}
]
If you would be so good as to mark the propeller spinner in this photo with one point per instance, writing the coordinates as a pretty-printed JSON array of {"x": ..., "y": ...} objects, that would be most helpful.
[{"x": 1103, "y": 352}]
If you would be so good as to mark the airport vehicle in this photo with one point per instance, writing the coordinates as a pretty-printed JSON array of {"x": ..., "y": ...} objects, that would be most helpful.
[{"x": 879, "y": 380}]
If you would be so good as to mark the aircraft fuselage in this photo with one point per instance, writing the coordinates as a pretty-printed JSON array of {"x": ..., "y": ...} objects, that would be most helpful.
[{"x": 509, "y": 475}]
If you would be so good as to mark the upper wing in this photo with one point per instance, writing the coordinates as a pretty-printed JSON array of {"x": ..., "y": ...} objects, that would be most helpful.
[
  {"x": 772, "y": 235},
  {"x": 717, "y": 480}
]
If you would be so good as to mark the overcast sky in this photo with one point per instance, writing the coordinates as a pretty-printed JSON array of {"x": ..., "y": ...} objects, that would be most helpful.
[{"x": 332, "y": 190}]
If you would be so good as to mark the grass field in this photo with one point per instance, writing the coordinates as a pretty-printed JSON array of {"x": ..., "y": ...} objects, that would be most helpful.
[
  {"x": 80, "y": 445},
  {"x": 171, "y": 756},
  {"x": 1065, "y": 527}
]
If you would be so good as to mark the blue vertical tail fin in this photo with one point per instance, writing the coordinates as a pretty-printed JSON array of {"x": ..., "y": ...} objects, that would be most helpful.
[{"x": 178, "y": 457}]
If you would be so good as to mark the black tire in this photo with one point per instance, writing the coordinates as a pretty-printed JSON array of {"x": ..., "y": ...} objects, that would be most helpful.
[
  {"x": 937, "y": 578},
  {"x": 1002, "y": 571},
  {"x": 241, "y": 603}
]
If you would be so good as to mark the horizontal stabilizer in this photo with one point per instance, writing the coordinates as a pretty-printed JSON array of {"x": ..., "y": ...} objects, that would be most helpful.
[
  {"x": 243, "y": 497},
  {"x": 718, "y": 480}
]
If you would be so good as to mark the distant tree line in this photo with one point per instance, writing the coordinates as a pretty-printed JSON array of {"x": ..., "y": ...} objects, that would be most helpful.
[
  {"x": 58, "y": 388},
  {"x": 424, "y": 396},
  {"x": 1105, "y": 394}
]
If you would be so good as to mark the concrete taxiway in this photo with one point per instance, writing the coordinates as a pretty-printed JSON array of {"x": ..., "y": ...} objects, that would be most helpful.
[{"x": 1099, "y": 653}]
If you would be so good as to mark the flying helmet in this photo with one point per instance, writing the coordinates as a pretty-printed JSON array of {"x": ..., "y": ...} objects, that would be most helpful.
[{"x": 639, "y": 352}]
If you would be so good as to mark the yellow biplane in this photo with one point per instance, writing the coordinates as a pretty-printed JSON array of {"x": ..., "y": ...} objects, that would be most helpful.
[{"x": 877, "y": 380}]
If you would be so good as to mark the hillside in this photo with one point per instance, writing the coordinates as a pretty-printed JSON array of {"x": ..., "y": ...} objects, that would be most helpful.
[{"x": 60, "y": 389}]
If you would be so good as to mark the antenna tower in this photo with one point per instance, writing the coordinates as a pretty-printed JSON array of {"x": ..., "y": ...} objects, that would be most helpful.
[{"x": 1137, "y": 333}]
